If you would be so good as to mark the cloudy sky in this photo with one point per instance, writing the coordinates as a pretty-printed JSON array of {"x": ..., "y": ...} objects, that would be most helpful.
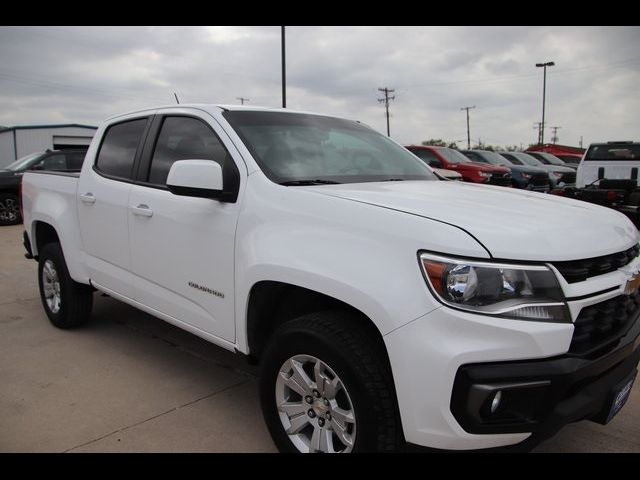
[{"x": 84, "y": 74}]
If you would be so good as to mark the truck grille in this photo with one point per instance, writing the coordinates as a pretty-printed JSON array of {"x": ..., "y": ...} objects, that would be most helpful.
[
  {"x": 579, "y": 270},
  {"x": 503, "y": 179},
  {"x": 539, "y": 180},
  {"x": 568, "y": 178},
  {"x": 600, "y": 327}
]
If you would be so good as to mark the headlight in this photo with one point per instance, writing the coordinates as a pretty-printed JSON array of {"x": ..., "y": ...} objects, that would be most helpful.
[
  {"x": 526, "y": 176},
  {"x": 521, "y": 292},
  {"x": 484, "y": 174},
  {"x": 556, "y": 174}
]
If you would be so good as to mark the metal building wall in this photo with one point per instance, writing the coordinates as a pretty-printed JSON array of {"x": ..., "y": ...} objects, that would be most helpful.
[
  {"x": 36, "y": 140},
  {"x": 6, "y": 148}
]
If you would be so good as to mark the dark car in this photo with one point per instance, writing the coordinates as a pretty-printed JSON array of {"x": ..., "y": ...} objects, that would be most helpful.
[
  {"x": 559, "y": 176},
  {"x": 11, "y": 175},
  {"x": 550, "y": 159},
  {"x": 450, "y": 159},
  {"x": 522, "y": 176}
]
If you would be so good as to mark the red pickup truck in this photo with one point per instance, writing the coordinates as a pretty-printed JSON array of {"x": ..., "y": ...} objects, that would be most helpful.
[{"x": 450, "y": 159}]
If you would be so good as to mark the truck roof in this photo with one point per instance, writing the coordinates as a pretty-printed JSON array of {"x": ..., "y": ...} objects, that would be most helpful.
[{"x": 213, "y": 106}]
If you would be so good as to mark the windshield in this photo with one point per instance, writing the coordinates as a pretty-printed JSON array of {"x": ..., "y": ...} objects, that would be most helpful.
[
  {"x": 495, "y": 158},
  {"x": 293, "y": 147},
  {"x": 550, "y": 159},
  {"x": 23, "y": 163},
  {"x": 452, "y": 156},
  {"x": 618, "y": 151},
  {"x": 527, "y": 159}
]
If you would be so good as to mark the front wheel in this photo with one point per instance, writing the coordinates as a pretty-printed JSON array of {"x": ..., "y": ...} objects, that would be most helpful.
[
  {"x": 325, "y": 387},
  {"x": 67, "y": 303}
]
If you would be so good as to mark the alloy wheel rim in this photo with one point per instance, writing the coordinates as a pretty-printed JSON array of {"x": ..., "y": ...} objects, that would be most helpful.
[
  {"x": 8, "y": 210},
  {"x": 51, "y": 286},
  {"x": 314, "y": 406}
]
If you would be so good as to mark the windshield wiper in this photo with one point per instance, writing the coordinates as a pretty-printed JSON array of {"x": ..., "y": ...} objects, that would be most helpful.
[
  {"x": 293, "y": 183},
  {"x": 393, "y": 180}
]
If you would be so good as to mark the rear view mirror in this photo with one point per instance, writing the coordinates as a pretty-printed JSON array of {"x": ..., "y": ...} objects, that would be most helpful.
[{"x": 196, "y": 178}]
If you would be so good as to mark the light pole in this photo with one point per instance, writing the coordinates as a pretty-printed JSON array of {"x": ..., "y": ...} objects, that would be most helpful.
[
  {"x": 284, "y": 70},
  {"x": 544, "y": 92}
]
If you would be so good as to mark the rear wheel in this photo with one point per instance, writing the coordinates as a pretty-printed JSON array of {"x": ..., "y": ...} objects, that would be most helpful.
[
  {"x": 67, "y": 303},
  {"x": 9, "y": 209},
  {"x": 325, "y": 388}
]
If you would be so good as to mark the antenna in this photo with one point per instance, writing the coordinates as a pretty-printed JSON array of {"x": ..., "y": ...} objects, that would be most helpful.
[{"x": 176, "y": 95}]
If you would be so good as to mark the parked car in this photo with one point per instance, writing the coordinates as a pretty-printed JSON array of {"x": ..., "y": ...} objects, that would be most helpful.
[
  {"x": 384, "y": 307},
  {"x": 11, "y": 175},
  {"x": 450, "y": 159},
  {"x": 608, "y": 176},
  {"x": 550, "y": 159},
  {"x": 559, "y": 176},
  {"x": 570, "y": 159},
  {"x": 448, "y": 174},
  {"x": 522, "y": 176}
]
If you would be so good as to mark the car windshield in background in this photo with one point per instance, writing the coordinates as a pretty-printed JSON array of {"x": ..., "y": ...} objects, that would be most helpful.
[
  {"x": 23, "y": 163},
  {"x": 452, "y": 156},
  {"x": 303, "y": 149},
  {"x": 550, "y": 159},
  {"x": 527, "y": 159},
  {"x": 614, "y": 152},
  {"x": 496, "y": 159}
]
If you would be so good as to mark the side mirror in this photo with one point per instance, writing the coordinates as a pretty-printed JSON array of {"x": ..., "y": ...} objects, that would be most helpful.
[
  {"x": 195, "y": 178},
  {"x": 38, "y": 166}
]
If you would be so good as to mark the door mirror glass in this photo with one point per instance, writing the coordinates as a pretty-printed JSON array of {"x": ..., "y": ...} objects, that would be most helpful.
[{"x": 196, "y": 178}]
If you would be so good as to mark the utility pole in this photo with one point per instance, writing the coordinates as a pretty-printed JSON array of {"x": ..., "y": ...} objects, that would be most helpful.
[
  {"x": 554, "y": 137},
  {"x": 580, "y": 141},
  {"x": 539, "y": 126},
  {"x": 176, "y": 95},
  {"x": 242, "y": 100},
  {"x": 468, "y": 132},
  {"x": 284, "y": 71},
  {"x": 544, "y": 93},
  {"x": 385, "y": 100}
]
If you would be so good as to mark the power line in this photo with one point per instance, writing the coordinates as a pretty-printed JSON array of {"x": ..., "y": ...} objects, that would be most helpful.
[
  {"x": 385, "y": 100},
  {"x": 468, "y": 131}
]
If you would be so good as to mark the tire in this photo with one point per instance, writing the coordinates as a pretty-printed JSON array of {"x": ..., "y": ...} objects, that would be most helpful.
[
  {"x": 67, "y": 303},
  {"x": 9, "y": 209},
  {"x": 346, "y": 351}
]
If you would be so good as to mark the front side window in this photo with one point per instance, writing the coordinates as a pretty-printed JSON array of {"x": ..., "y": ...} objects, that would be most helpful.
[
  {"x": 118, "y": 150},
  {"x": 292, "y": 147},
  {"x": 185, "y": 138},
  {"x": 57, "y": 161}
]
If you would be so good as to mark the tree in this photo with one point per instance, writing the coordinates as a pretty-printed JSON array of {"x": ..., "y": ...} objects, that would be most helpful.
[{"x": 432, "y": 142}]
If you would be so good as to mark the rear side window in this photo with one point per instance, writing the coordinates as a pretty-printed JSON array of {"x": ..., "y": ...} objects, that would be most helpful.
[
  {"x": 184, "y": 138},
  {"x": 75, "y": 160},
  {"x": 55, "y": 162},
  {"x": 118, "y": 150}
]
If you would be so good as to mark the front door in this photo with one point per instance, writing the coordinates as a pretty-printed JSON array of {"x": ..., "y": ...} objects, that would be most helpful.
[{"x": 182, "y": 248}]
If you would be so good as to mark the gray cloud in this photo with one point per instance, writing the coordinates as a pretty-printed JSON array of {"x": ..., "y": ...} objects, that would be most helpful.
[{"x": 84, "y": 74}]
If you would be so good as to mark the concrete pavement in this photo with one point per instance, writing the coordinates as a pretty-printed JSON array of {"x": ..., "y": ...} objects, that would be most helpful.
[{"x": 128, "y": 382}]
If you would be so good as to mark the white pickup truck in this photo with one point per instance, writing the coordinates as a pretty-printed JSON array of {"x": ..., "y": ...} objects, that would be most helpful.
[{"x": 387, "y": 309}]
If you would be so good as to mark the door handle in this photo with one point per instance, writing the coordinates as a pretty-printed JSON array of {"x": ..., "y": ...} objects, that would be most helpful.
[
  {"x": 142, "y": 210},
  {"x": 88, "y": 198}
]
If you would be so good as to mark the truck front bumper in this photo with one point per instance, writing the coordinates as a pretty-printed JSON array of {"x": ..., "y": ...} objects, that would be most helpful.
[{"x": 449, "y": 365}]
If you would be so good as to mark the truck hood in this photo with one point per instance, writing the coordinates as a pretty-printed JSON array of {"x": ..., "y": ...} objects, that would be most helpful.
[{"x": 511, "y": 224}]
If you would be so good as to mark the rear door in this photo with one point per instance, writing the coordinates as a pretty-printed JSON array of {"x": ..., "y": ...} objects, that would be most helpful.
[
  {"x": 611, "y": 161},
  {"x": 103, "y": 195},
  {"x": 183, "y": 247}
]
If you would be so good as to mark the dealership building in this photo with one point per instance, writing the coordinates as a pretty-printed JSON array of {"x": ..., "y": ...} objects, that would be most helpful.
[{"x": 16, "y": 142}]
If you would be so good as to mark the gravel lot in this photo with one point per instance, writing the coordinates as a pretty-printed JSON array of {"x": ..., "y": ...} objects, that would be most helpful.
[{"x": 131, "y": 383}]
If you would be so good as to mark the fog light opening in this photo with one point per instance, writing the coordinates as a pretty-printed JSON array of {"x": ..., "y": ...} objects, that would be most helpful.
[{"x": 495, "y": 402}]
